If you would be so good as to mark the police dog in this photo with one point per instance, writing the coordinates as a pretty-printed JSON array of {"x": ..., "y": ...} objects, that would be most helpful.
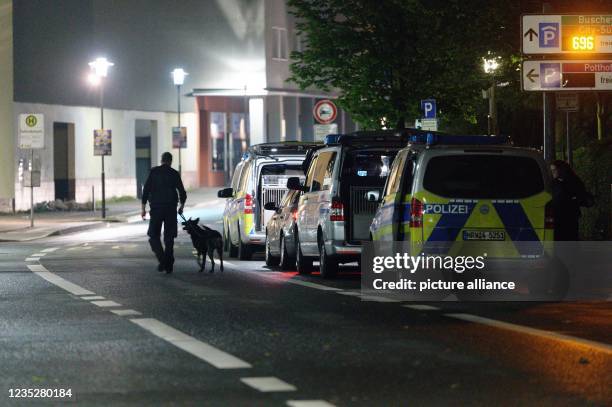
[{"x": 205, "y": 240}]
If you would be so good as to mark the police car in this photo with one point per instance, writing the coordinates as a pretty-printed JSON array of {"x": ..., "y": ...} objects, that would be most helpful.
[
  {"x": 447, "y": 190},
  {"x": 260, "y": 177},
  {"x": 334, "y": 213}
]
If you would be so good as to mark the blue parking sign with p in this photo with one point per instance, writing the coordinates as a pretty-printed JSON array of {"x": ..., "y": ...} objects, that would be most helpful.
[
  {"x": 549, "y": 35},
  {"x": 428, "y": 106}
]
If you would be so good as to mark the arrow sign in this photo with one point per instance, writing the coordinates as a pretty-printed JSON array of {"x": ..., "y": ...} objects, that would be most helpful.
[
  {"x": 530, "y": 75},
  {"x": 531, "y": 33}
]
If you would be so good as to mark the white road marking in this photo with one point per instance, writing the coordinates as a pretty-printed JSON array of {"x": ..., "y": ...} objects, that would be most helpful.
[
  {"x": 32, "y": 259},
  {"x": 38, "y": 255},
  {"x": 350, "y": 293},
  {"x": 125, "y": 312},
  {"x": 92, "y": 297},
  {"x": 41, "y": 271},
  {"x": 602, "y": 347},
  {"x": 309, "y": 284},
  {"x": 268, "y": 384},
  {"x": 50, "y": 249},
  {"x": 106, "y": 303},
  {"x": 376, "y": 298},
  {"x": 421, "y": 307},
  {"x": 115, "y": 247},
  {"x": 199, "y": 349},
  {"x": 309, "y": 403}
]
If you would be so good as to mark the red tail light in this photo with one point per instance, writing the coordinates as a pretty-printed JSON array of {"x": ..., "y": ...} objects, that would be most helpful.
[
  {"x": 549, "y": 216},
  {"x": 294, "y": 214},
  {"x": 337, "y": 210},
  {"x": 248, "y": 204},
  {"x": 416, "y": 213}
]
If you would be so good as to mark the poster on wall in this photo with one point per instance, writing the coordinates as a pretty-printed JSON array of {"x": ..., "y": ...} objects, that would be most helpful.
[
  {"x": 103, "y": 142},
  {"x": 179, "y": 137}
]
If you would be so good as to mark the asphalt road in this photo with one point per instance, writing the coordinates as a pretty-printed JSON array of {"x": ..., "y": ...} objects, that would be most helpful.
[{"x": 90, "y": 313}]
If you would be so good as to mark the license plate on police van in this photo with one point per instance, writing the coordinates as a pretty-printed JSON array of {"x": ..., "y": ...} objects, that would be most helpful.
[{"x": 484, "y": 235}]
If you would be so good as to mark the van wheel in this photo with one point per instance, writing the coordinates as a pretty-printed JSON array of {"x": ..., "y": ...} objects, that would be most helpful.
[
  {"x": 271, "y": 261},
  {"x": 231, "y": 248},
  {"x": 327, "y": 264},
  {"x": 244, "y": 251},
  {"x": 302, "y": 264}
]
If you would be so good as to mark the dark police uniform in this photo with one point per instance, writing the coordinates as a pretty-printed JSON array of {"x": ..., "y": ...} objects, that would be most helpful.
[{"x": 161, "y": 192}]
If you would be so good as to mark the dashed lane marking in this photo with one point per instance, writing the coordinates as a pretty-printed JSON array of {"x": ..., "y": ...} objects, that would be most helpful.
[
  {"x": 38, "y": 255},
  {"x": 92, "y": 297},
  {"x": 106, "y": 303},
  {"x": 49, "y": 249},
  {"x": 74, "y": 289},
  {"x": 33, "y": 259},
  {"x": 421, "y": 307},
  {"x": 125, "y": 312},
  {"x": 309, "y": 403},
  {"x": 268, "y": 384},
  {"x": 602, "y": 347},
  {"x": 199, "y": 349}
]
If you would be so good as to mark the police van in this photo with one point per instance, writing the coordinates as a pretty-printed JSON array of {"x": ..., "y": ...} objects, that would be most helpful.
[
  {"x": 446, "y": 191},
  {"x": 260, "y": 177},
  {"x": 334, "y": 213}
]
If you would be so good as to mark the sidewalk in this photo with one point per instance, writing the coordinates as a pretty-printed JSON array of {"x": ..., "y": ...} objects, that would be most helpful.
[{"x": 16, "y": 228}]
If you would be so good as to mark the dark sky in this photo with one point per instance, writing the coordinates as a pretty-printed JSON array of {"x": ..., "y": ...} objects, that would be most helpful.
[{"x": 146, "y": 39}]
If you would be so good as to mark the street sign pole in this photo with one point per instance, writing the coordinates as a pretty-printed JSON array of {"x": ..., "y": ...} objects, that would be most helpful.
[
  {"x": 549, "y": 135},
  {"x": 31, "y": 189},
  {"x": 568, "y": 142}
]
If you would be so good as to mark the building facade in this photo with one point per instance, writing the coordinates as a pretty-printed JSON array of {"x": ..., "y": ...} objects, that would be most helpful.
[{"x": 237, "y": 54}]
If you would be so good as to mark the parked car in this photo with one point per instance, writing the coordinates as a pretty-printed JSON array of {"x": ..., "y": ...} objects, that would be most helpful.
[
  {"x": 260, "y": 177},
  {"x": 280, "y": 231},
  {"x": 334, "y": 213},
  {"x": 473, "y": 194}
]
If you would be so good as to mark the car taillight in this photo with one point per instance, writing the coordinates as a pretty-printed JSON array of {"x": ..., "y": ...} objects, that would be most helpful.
[
  {"x": 248, "y": 204},
  {"x": 294, "y": 214},
  {"x": 337, "y": 210},
  {"x": 549, "y": 216},
  {"x": 416, "y": 213}
]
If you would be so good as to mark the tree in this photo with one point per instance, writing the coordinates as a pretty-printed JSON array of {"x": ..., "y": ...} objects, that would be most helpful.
[{"x": 383, "y": 57}]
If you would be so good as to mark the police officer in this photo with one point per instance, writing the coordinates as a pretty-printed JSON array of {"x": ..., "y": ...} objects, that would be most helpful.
[{"x": 161, "y": 192}]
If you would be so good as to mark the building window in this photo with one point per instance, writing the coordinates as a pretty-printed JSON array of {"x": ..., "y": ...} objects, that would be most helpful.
[
  {"x": 217, "y": 137},
  {"x": 280, "y": 50}
]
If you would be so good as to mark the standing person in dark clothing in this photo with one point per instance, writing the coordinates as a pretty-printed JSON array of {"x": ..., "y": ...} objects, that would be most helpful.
[
  {"x": 164, "y": 190},
  {"x": 569, "y": 194}
]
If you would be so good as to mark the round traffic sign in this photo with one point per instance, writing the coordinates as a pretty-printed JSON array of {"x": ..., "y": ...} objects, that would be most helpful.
[
  {"x": 325, "y": 111},
  {"x": 31, "y": 121}
]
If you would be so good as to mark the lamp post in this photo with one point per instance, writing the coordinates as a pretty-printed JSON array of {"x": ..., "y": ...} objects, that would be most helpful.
[
  {"x": 99, "y": 69},
  {"x": 178, "y": 77},
  {"x": 490, "y": 65}
]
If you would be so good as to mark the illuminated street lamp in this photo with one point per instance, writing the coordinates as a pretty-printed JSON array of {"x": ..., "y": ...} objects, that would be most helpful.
[
  {"x": 99, "y": 71},
  {"x": 490, "y": 66},
  {"x": 178, "y": 77}
]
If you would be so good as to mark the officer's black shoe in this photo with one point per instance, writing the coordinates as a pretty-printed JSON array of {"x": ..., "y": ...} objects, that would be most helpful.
[{"x": 160, "y": 267}]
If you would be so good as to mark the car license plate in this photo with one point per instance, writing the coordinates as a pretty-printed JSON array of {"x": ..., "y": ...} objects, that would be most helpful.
[{"x": 484, "y": 235}]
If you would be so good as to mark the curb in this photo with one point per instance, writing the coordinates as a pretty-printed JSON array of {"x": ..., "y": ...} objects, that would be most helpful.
[{"x": 65, "y": 231}]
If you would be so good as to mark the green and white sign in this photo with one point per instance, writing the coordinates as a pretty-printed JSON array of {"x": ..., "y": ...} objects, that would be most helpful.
[{"x": 31, "y": 131}]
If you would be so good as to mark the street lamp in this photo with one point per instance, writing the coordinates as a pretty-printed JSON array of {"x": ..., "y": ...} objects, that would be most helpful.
[
  {"x": 99, "y": 71},
  {"x": 178, "y": 77},
  {"x": 490, "y": 65}
]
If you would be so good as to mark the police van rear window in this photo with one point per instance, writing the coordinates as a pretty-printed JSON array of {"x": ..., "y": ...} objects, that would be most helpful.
[{"x": 483, "y": 176}]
